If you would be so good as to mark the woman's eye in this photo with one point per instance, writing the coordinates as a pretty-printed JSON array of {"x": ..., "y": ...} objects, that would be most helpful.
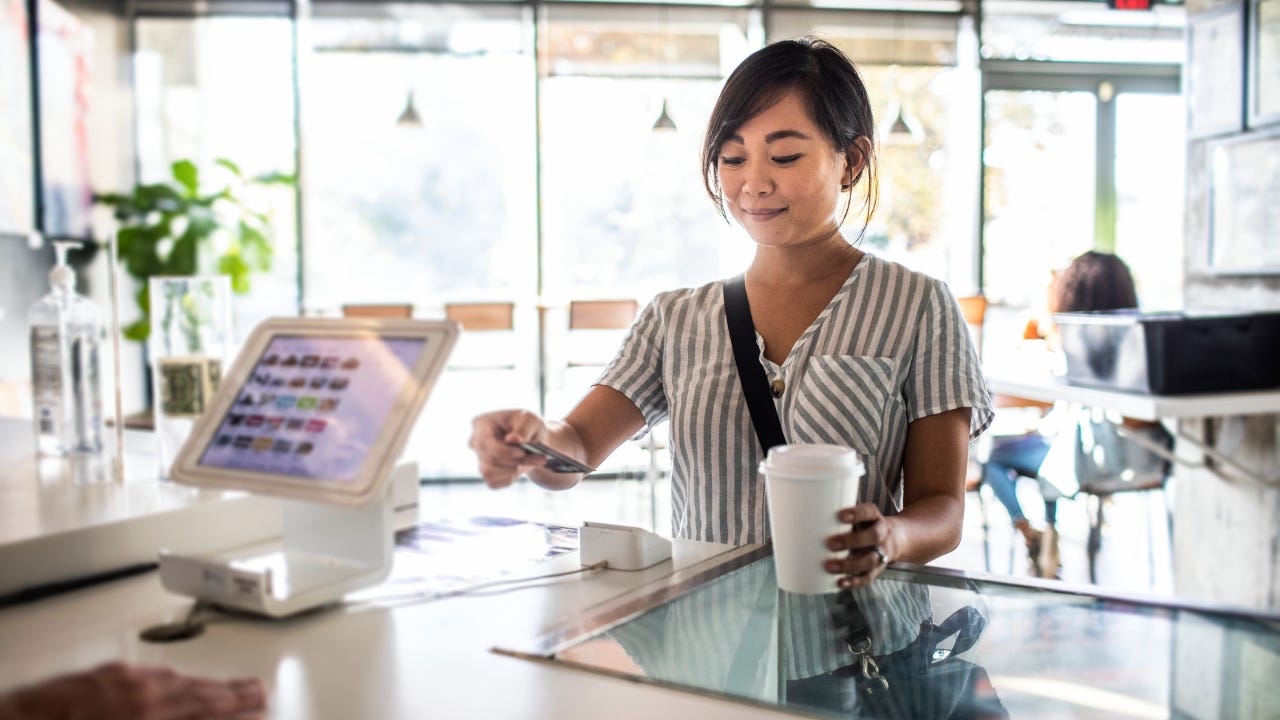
[
  {"x": 788, "y": 158},
  {"x": 731, "y": 161}
]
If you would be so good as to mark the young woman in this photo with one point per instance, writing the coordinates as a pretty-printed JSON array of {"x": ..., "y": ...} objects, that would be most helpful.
[
  {"x": 1094, "y": 281},
  {"x": 858, "y": 351}
]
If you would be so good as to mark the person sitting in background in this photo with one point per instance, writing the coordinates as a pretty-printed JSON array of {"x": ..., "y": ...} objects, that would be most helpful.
[
  {"x": 128, "y": 692},
  {"x": 1093, "y": 282}
]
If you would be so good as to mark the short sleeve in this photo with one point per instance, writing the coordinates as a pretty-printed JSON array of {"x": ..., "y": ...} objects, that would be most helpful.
[
  {"x": 945, "y": 373},
  {"x": 636, "y": 371}
]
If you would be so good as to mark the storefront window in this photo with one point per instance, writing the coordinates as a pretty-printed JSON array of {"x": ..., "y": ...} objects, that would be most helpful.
[{"x": 222, "y": 87}]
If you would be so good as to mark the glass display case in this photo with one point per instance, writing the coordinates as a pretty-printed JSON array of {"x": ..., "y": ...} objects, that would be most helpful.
[{"x": 946, "y": 643}]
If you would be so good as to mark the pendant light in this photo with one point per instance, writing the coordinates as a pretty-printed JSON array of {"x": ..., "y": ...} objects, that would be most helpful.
[
  {"x": 664, "y": 123},
  {"x": 901, "y": 132},
  {"x": 409, "y": 117}
]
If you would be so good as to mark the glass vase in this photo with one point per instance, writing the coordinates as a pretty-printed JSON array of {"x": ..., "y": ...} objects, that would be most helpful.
[{"x": 189, "y": 347}]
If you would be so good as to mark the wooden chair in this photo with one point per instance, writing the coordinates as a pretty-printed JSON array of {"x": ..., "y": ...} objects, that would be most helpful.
[
  {"x": 602, "y": 314},
  {"x": 378, "y": 310},
  {"x": 473, "y": 316},
  {"x": 616, "y": 315},
  {"x": 974, "y": 310},
  {"x": 485, "y": 341}
]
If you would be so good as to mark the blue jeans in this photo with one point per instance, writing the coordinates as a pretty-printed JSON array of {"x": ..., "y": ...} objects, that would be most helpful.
[{"x": 1010, "y": 457}]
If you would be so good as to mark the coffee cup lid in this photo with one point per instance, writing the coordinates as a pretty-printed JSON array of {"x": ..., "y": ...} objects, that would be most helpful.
[{"x": 801, "y": 460}]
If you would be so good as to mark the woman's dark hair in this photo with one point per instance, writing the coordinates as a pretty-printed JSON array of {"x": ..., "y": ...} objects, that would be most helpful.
[
  {"x": 832, "y": 88},
  {"x": 1095, "y": 281}
]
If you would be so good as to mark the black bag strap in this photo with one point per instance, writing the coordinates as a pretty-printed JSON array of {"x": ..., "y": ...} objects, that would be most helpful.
[{"x": 755, "y": 386}]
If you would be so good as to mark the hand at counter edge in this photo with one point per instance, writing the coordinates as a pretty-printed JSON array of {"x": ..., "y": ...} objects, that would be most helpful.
[{"x": 119, "y": 690}]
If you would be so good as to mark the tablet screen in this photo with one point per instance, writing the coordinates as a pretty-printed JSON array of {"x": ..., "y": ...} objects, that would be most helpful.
[{"x": 313, "y": 406}]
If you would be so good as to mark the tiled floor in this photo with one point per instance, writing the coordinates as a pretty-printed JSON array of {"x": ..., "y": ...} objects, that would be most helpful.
[{"x": 1127, "y": 562}]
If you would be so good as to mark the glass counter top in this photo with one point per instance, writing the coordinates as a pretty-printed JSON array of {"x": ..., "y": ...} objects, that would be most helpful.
[{"x": 1031, "y": 649}]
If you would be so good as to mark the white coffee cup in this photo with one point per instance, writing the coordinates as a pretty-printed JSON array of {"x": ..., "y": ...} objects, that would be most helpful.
[{"x": 806, "y": 486}]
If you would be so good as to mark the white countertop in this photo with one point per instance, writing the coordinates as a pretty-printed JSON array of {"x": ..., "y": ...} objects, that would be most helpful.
[
  {"x": 412, "y": 661},
  {"x": 430, "y": 659},
  {"x": 62, "y": 518}
]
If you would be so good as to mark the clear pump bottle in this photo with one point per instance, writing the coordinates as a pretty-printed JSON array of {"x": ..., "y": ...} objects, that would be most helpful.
[{"x": 66, "y": 335}]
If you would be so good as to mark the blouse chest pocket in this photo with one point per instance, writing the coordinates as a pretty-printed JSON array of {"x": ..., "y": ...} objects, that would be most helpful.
[{"x": 841, "y": 400}]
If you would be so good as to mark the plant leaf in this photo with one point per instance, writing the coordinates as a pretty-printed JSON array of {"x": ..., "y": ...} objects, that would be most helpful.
[
  {"x": 185, "y": 172},
  {"x": 234, "y": 168},
  {"x": 255, "y": 246},
  {"x": 184, "y": 259},
  {"x": 235, "y": 266},
  {"x": 138, "y": 330},
  {"x": 275, "y": 178}
]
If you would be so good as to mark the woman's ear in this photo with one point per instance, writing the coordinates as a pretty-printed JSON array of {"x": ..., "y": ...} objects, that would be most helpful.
[{"x": 855, "y": 161}]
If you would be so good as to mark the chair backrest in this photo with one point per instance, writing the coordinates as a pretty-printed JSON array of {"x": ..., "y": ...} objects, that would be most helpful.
[
  {"x": 974, "y": 310},
  {"x": 1110, "y": 459},
  {"x": 378, "y": 310},
  {"x": 602, "y": 314},
  {"x": 473, "y": 316}
]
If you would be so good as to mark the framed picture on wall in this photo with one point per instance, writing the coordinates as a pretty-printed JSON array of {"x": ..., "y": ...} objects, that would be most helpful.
[
  {"x": 1264, "y": 62},
  {"x": 1244, "y": 205},
  {"x": 64, "y": 45},
  {"x": 1215, "y": 70},
  {"x": 17, "y": 169}
]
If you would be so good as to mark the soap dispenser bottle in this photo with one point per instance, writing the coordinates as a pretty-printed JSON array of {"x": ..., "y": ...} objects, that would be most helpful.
[{"x": 66, "y": 335}]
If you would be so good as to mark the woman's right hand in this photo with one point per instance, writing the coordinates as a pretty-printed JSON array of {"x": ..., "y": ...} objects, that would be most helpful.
[{"x": 494, "y": 436}]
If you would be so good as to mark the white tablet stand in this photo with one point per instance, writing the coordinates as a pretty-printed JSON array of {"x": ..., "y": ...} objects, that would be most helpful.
[
  {"x": 326, "y": 551},
  {"x": 338, "y": 503}
]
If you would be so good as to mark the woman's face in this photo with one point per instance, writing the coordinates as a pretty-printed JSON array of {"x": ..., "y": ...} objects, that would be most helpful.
[{"x": 781, "y": 177}]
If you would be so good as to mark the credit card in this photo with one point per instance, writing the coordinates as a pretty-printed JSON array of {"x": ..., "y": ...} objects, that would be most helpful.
[{"x": 556, "y": 460}]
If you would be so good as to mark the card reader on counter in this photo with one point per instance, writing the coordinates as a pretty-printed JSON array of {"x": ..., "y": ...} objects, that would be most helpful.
[{"x": 623, "y": 547}]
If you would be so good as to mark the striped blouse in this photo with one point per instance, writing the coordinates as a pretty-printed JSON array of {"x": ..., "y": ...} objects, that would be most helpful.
[{"x": 891, "y": 347}]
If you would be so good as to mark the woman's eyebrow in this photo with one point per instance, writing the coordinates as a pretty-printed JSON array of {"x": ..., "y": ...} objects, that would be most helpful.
[{"x": 773, "y": 136}]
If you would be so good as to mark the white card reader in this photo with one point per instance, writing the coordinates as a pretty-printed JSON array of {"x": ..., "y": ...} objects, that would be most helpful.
[{"x": 623, "y": 547}]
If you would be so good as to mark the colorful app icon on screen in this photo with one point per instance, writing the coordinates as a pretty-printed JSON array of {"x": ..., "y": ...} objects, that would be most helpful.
[{"x": 316, "y": 426}]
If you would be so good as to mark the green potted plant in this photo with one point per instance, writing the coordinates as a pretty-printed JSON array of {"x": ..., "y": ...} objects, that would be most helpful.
[{"x": 183, "y": 227}]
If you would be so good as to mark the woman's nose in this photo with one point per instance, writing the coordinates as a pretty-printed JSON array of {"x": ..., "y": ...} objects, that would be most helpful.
[{"x": 757, "y": 181}]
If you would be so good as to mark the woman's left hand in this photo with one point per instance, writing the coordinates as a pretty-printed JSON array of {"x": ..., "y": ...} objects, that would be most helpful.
[{"x": 870, "y": 545}]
